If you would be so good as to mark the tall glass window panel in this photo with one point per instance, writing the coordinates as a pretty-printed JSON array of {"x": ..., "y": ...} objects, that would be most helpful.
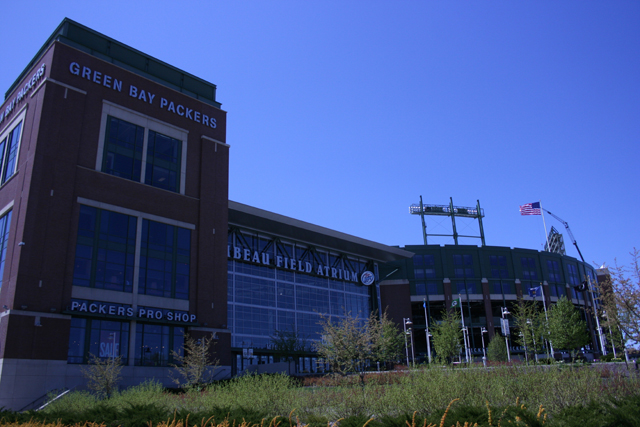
[
  {"x": 105, "y": 250},
  {"x": 123, "y": 149},
  {"x": 573, "y": 274},
  {"x": 529, "y": 271},
  {"x": 103, "y": 339},
  {"x": 554, "y": 271},
  {"x": 5, "y": 224},
  {"x": 155, "y": 344},
  {"x": 9, "y": 152},
  {"x": 163, "y": 161},
  {"x": 164, "y": 260}
]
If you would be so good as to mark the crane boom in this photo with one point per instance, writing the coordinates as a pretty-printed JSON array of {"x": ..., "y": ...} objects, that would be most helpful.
[{"x": 566, "y": 225}]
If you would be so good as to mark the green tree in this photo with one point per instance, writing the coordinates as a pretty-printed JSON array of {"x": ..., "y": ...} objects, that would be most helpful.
[
  {"x": 345, "y": 343},
  {"x": 195, "y": 364},
  {"x": 349, "y": 342},
  {"x": 447, "y": 336},
  {"x": 387, "y": 339},
  {"x": 531, "y": 323},
  {"x": 497, "y": 349},
  {"x": 567, "y": 330},
  {"x": 621, "y": 299},
  {"x": 103, "y": 374}
]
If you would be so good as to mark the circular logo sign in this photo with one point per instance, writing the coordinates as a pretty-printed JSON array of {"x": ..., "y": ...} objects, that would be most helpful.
[{"x": 367, "y": 278}]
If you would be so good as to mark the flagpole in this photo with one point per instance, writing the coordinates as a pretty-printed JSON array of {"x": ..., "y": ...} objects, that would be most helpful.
[
  {"x": 546, "y": 236},
  {"x": 426, "y": 320},
  {"x": 544, "y": 304}
]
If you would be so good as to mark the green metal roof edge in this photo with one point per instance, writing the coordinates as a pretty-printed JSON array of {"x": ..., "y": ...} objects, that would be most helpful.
[{"x": 80, "y": 37}]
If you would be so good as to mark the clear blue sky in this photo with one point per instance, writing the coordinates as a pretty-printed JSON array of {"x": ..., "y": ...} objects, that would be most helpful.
[{"x": 342, "y": 113}]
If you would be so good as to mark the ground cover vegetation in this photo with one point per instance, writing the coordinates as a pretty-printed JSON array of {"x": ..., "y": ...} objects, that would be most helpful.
[{"x": 536, "y": 395}]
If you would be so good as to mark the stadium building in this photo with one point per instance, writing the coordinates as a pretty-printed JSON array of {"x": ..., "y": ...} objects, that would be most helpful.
[{"x": 118, "y": 237}]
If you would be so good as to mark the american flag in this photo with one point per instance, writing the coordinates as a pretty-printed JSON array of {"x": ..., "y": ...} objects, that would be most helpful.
[{"x": 530, "y": 209}]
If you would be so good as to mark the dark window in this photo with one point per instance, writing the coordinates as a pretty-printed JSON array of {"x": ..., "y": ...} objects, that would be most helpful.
[
  {"x": 5, "y": 224},
  {"x": 125, "y": 154},
  {"x": 574, "y": 278},
  {"x": 155, "y": 344},
  {"x": 101, "y": 338},
  {"x": 529, "y": 271},
  {"x": 9, "y": 145},
  {"x": 163, "y": 162},
  {"x": 554, "y": 271},
  {"x": 123, "y": 149},
  {"x": 164, "y": 260},
  {"x": 105, "y": 250}
]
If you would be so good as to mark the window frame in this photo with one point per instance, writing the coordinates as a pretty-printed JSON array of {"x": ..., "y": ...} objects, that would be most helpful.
[
  {"x": 140, "y": 217},
  {"x": 4, "y": 135},
  {"x": 5, "y": 221},
  {"x": 149, "y": 124}
]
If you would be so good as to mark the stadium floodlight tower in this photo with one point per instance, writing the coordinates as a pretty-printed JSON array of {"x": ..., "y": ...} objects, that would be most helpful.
[{"x": 451, "y": 211}]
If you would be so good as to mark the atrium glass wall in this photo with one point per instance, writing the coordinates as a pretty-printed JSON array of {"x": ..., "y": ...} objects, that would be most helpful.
[{"x": 277, "y": 285}]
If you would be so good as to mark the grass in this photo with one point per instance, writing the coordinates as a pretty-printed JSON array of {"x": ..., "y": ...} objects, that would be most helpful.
[{"x": 417, "y": 399}]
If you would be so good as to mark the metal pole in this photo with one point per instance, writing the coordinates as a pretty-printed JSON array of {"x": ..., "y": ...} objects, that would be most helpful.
[
  {"x": 595, "y": 312},
  {"x": 424, "y": 225},
  {"x": 406, "y": 346},
  {"x": 413, "y": 354},
  {"x": 544, "y": 304},
  {"x": 426, "y": 319},
  {"x": 484, "y": 352},
  {"x": 466, "y": 350},
  {"x": 506, "y": 335}
]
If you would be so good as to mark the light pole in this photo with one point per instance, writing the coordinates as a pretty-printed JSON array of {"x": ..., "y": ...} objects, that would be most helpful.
[
  {"x": 483, "y": 331},
  {"x": 505, "y": 329},
  {"x": 426, "y": 320},
  {"x": 407, "y": 321},
  {"x": 465, "y": 338},
  {"x": 595, "y": 312}
]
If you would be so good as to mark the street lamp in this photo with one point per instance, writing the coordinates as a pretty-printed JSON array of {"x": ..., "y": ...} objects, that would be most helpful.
[
  {"x": 465, "y": 336},
  {"x": 483, "y": 331},
  {"x": 407, "y": 331},
  {"x": 505, "y": 328},
  {"x": 426, "y": 319}
]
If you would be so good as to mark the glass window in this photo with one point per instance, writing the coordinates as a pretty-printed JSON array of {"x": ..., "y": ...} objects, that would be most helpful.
[
  {"x": 105, "y": 250},
  {"x": 155, "y": 344},
  {"x": 529, "y": 271},
  {"x": 5, "y": 224},
  {"x": 123, "y": 149},
  {"x": 434, "y": 288},
  {"x": 573, "y": 274},
  {"x": 9, "y": 147},
  {"x": 163, "y": 162},
  {"x": 554, "y": 271},
  {"x": 130, "y": 149},
  {"x": 100, "y": 338},
  {"x": 165, "y": 252}
]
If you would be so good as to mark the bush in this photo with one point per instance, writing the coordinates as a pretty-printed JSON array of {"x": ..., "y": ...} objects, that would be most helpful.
[{"x": 497, "y": 349}]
